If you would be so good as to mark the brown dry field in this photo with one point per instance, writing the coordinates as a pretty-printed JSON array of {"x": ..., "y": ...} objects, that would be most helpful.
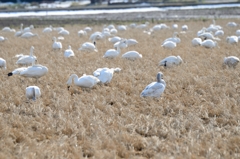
[{"x": 198, "y": 115}]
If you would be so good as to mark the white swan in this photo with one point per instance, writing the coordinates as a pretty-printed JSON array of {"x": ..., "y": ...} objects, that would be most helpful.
[
  {"x": 122, "y": 28},
  {"x": 121, "y": 44},
  {"x": 114, "y": 39},
  {"x": 87, "y": 29},
  {"x": 132, "y": 55},
  {"x": 238, "y": 32},
  {"x": 56, "y": 44},
  {"x": 68, "y": 52},
  {"x": 34, "y": 71},
  {"x": 131, "y": 42},
  {"x": 28, "y": 29},
  {"x": 3, "y": 38},
  {"x": 86, "y": 81},
  {"x": 184, "y": 28},
  {"x": 82, "y": 33},
  {"x": 58, "y": 29},
  {"x": 209, "y": 43},
  {"x": 232, "y": 24},
  {"x": 169, "y": 45},
  {"x": 196, "y": 42},
  {"x": 3, "y": 64},
  {"x": 112, "y": 53},
  {"x": 96, "y": 36},
  {"x": 174, "y": 39},
  {"x": 89, "y": 47},
  {"x": 207, "y": 35},
  {"x": 47, "y": 29},
  {"x": 171, "y": 61},
  {"x": 155, "y": 89},
  {"x": 28, "y": 35},
  {"x": 231, "y": 61},
  {"x": 105, "y": 75},
  {"x": 113, "y": 31},
  {"x": 8, "y": 29},
  {"x": 174, "y": 26},
  {"x": 63, "y": 32},
  {"x": 219, "y": 33},
  {"x": 33, "y": 92},
  {"x": 19, "y": 33},
  {"x": 232, "y": 39},
  {"x": 27, "y": 59}
]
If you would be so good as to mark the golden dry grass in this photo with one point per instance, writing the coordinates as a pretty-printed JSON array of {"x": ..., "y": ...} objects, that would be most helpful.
[{"x": 196, "y": 117}]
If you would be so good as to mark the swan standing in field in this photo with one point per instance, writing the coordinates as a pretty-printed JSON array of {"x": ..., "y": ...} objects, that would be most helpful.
[
  {"x": 56, "y": 44},
  {"x": 231, "y": 61},
  {"x": 47, "y": 29},
  {"x": 169, "y": 45},
  {"x": 219, "y": 33},
  {"x": 27, "y": 59},
  {"x": 28, "y": 35},
  {"x": 2, "y": 38},
  {"x": 105, "y": 75},
  {"x": 112, "y": 53},
  {"x": 68, "y": 52},
  {"x": 196, "y": 42},
  {"x": 232, "y": 39},
  {"x": 174, "y": 39},
  {"x": 34, "y": 71},
  {"x": 132, "y": 55},
  {"x": 85, "y": 81},
  {"x": 155, "y": 89},
  {"x": 171, "y": 61},
  {"x": 82, "y": 33},
  {"x": 209, "y": 43},
  {"x": 19, "y": 33},
  {"x": 3, "y": 64},
  {"x": 33, "y": 92}
]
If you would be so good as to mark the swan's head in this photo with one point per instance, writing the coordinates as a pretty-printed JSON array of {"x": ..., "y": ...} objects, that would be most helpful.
[
  {"x": 159, "y": 76},
  {"x": 117, "y": 70},
  {"x": 32, "y": 48}
]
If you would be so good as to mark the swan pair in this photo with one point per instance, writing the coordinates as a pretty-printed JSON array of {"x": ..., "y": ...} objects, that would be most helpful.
[
  {"x": 171, "y": 61},
  {"x": 33, "y": 92},
  {"x": 155, "y": 89},
  {"x": 26, "y": 59}
]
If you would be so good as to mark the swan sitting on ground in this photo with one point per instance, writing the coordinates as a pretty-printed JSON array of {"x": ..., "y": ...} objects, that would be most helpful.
[
  {"x": 232, "y": 24},
  {"x": 27, "y": 59},
  {"x": 122, "y": 45},
  {"x": 86, "y": 81},
  {"x": 28, "y": 35},
  {"x": 114, "y": 39},
  {"x": 33, "y": 92},
  {"x": 196, "y": 42},
  {"x": 68, "y": 52},
  {"x": 174, "y": 39},
  {"x": 155, "y": 89},
  {"x": 231, "y": 61},
  {"x": 219, "y": 33},
  {"x": 56, "y": 45},
  {"x": 209, "y": 43},
  {"x": 122, "y": 28},
  {"x": 169, "y": 45},
  {"x": 171, "y": 61},
  {"x": 131, "y": 42},
  {"x": 132, "y": 55},
  {"x": 105, "y": 74},
  {"x": 2, "y": 38},
  {"x": 112, "y": 53},
  {"x": 47, "y": 29},
  {"x": 87, "y": 29},
  {"x": 89, "y": 47},
  {"x": 238, "y": 32},
  {"x": 232, "y": 39},
  {"x": 3, "y": 64},
  {"x": 63, "y": 32},
  {"x": 184, "y": 28},
  {"x": 174, "y": 26},
  {"x": 34, "y": 71},
  {"x": 8, "y": 29}
]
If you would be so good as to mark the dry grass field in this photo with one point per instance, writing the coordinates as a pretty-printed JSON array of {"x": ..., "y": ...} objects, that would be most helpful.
[{"x": 198, "y": 115}]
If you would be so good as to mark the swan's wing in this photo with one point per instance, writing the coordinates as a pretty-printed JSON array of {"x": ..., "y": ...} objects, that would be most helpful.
[
  {"x": 154, "y": 90},
  {"x": 105, "y": 76},
  {"x": 36, "y": 71},
  {"x": 97, "y": 72}
]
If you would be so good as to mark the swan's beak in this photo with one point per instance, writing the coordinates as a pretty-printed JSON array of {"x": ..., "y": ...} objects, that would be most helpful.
[{"x": 68, "y": 87}]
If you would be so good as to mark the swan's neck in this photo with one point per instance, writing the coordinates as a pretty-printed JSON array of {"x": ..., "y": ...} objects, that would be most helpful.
[
  {"x": 31, "y": 52},
  {"x": 118, "y": 49},
  {"x": 159, "y": 78},
  {"x": 75, "y": 78}
]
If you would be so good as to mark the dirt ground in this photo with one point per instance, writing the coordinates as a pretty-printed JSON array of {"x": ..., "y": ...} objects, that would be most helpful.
[{"x": 127, "y": 17}]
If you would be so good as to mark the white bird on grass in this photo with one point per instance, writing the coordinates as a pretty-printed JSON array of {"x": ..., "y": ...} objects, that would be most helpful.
[
  {"x": 174, "y": 39},
  {"x": 87, "y": 29},
  {"x": 169, "y": 45},
  {"x": 231, "y": 61},
  {"x": 8, "y": 29},
  {"x": 114, "y": 39},
  {"x": 19, "y": 33},
  {"x": 112, "y": 53},
  {"x": 238, "y": 32},
  {"x": 196, "y": 42},
  {"x": 232, "y": 39},
  {"x": 85, "y": 81},
  {"x": 34, "y": 71},
  {"x": 63, "y": 32},
  {"x": 89, "y": 47},
  {"x": 171, "y": 61},
  {"x": 33, "y": 92},
  {"x": 122, "y": 28},
  {"x": 132, "y": 55},
  {"x": 27, "y": 59},
  {"x": 131, "y": 42},
  {"x": 155, "y": 89},
  {"x": 3, "y": 64},
  {"x": 28, "y": 29},
  {"x": 209, "y": 43},
  {"x": 27, "y": 35},
  {"x": 219, "y": 33},
  {"x": 82, "y": 33},
  {"x": 56, "y": 44},
  {"x": 105, "y": 75},
  {"x": 184, "y": 28},
  {"x": 2, "y": 39},
  {"x": 232, "y": 24},
  {"x": 47, "y": 29},
  {"x": 69, "y": 52}
]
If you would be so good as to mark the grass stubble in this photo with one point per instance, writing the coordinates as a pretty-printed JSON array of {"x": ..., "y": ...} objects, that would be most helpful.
[{"x": 196, "y": 117}]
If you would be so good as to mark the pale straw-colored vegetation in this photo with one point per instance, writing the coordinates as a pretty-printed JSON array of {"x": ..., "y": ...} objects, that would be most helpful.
[{"x": 198, "y": 115}]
